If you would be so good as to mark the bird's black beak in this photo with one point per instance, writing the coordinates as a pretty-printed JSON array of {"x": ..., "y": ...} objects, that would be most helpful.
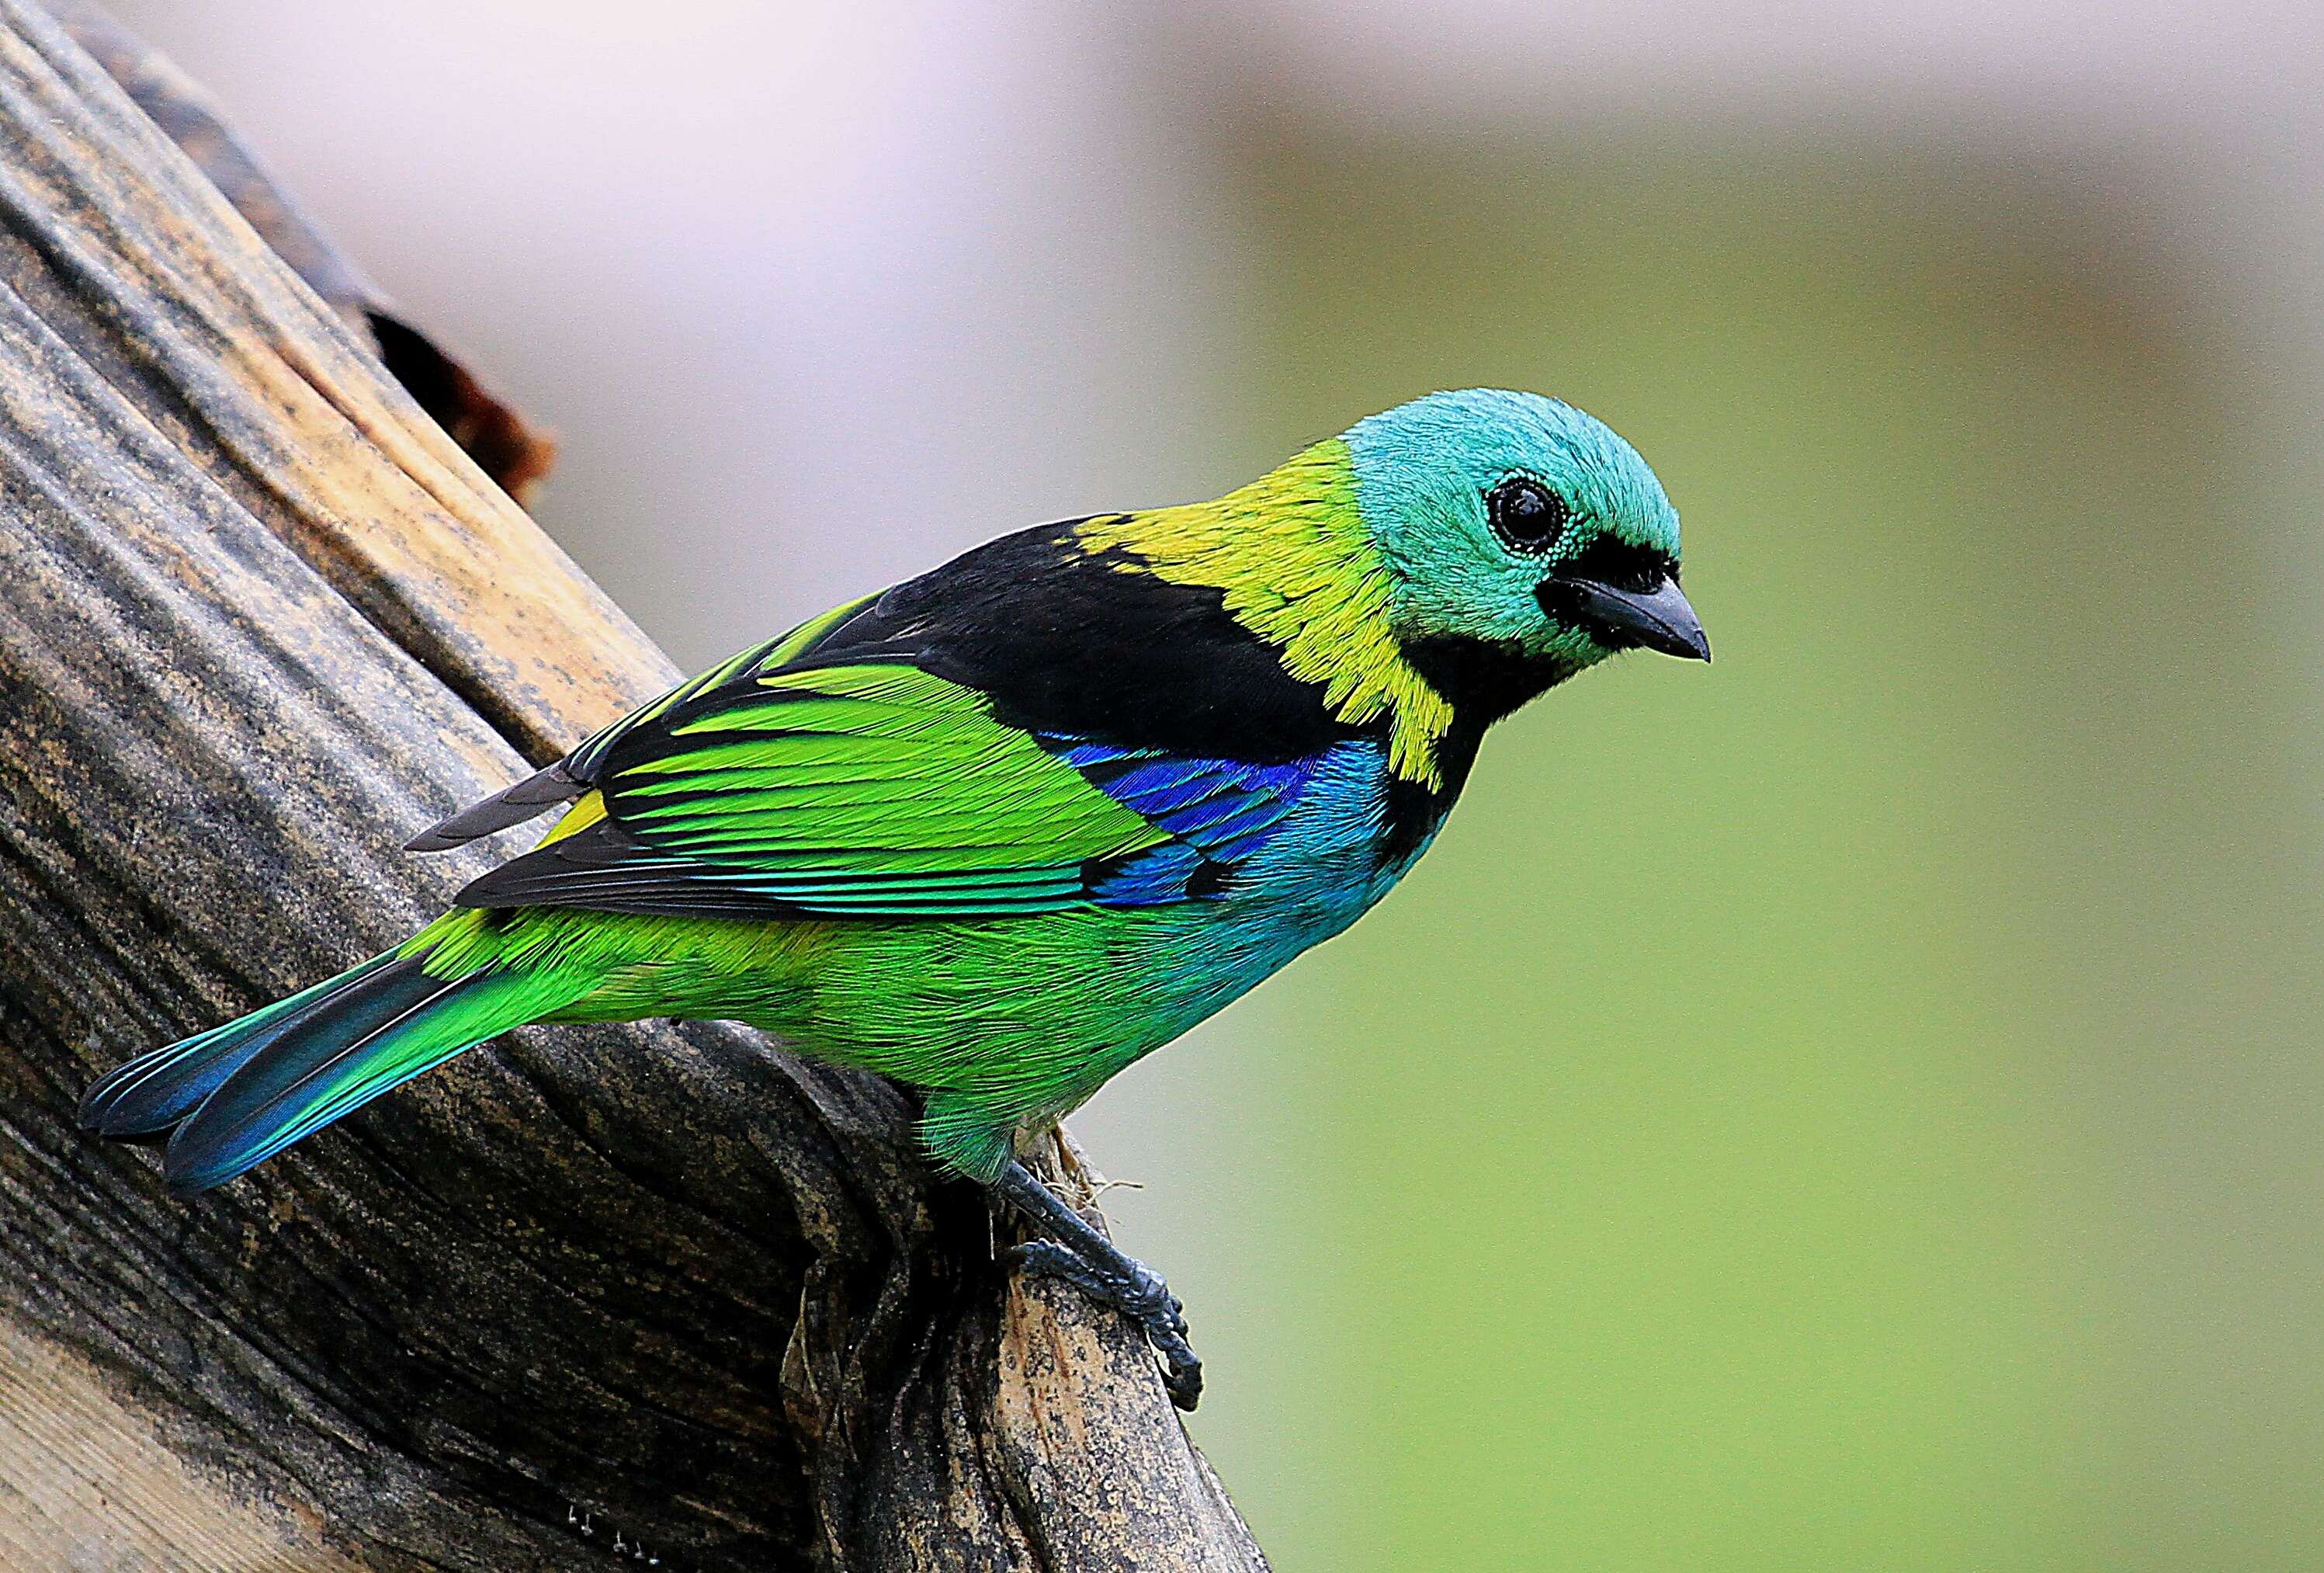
[{"x": 1656, "y": 619}]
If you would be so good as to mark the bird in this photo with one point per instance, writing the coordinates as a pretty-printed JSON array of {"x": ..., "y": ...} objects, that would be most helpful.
[{"x": 1000, "y": 830}]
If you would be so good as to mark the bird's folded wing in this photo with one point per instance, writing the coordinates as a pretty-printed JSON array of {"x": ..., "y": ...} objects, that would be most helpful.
[
  {"x": 572, "y": 775},
  {"x": 879, "y": 789}
]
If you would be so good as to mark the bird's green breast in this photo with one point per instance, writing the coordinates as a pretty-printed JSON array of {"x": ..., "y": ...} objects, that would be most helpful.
[
  {"x": 1019, "y": 1018},
  {"x": 1073, "y": 996}
]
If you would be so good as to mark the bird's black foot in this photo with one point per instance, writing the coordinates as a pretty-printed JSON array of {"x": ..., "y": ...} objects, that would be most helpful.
[
  {"x": 1090, "y": 1263},
  {"x": 1138, "y": 1292}
]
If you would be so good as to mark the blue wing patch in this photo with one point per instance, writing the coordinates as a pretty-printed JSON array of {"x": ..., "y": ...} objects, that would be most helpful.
[{"x": 1220, "y": 811}]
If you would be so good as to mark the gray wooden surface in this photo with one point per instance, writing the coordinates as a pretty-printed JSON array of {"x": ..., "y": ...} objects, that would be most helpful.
[{"x": 261, "y": 620}]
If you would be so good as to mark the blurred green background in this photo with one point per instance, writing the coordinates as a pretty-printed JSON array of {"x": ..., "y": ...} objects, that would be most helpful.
[{"x": 1856, "y": 1105}]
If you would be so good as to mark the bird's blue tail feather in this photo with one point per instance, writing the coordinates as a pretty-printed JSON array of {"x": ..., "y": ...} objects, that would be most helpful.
[{"x": 237, "y": 1095}]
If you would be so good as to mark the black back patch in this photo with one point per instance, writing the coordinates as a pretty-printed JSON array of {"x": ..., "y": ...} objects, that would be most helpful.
[{"x": 1079, "y": 644}]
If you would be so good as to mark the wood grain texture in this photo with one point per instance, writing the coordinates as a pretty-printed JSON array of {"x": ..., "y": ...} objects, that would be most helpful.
[{"x": 260, "y": 621}]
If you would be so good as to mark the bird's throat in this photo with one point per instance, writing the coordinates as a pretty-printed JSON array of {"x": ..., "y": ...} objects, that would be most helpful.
[{"x": 1485, "y": 680}]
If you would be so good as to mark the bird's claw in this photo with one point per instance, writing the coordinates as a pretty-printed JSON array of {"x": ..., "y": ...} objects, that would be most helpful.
[{"x": 1139, "y": 1293}]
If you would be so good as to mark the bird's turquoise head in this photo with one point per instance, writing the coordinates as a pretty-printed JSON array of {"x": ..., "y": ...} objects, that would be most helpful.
[{"x": 1517, "y": 524}]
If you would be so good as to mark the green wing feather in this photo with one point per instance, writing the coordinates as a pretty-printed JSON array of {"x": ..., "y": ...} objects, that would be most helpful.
[
  {"x": 858, "y": 789},
  {"x": 572, "y": 776},
  {"x": 587, "y": 760}
]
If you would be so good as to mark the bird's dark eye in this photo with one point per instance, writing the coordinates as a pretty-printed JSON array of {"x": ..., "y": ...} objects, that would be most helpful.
[{"x": 1526, "y": 514}]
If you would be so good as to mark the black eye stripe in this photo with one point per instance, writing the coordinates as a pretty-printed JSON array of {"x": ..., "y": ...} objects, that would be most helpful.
[
  {"x": 1526, "y": 514},
  {"x": 1610, "y": 561}
]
